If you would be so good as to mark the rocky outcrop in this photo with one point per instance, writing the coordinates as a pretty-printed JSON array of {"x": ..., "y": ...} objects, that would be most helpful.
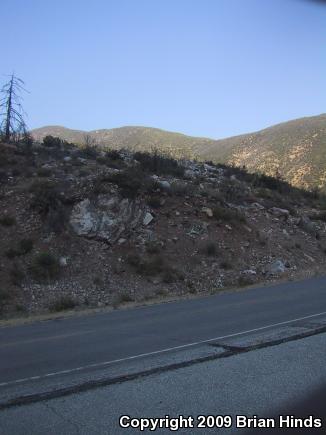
[{"x": 105, "y": 218}]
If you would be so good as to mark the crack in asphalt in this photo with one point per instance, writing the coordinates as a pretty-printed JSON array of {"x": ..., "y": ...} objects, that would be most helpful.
[{"x": 90, "y": 385}]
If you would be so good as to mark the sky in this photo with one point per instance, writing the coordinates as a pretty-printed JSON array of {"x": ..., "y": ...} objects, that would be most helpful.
[{"x": 213, "y": 68}]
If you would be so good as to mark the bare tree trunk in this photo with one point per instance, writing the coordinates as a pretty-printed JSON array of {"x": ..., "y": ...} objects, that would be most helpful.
[{"x": 9, "y": 110}]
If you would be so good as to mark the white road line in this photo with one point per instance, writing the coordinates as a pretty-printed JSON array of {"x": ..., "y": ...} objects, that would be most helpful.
[{"x": 157, "y": 352}]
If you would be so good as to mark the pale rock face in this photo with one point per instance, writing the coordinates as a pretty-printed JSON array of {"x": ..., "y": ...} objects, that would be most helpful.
[
  {"x": 106, "y": 218},
  {"x": 276, "y": 268},
  {"x": 208, "y": 211},
  {"x": 279, "y": 212},
  {"x": 165, "y": 185},
  {"x": 147, "y": 218}
]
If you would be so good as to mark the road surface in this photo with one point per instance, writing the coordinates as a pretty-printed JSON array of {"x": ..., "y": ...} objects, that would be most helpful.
[{"x": 41, "y": 348}]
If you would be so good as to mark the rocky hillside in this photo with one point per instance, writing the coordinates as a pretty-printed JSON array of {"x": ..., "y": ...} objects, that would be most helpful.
[
  {"x": 87, "y": 228},
  {"x": 295, "y": 149}
]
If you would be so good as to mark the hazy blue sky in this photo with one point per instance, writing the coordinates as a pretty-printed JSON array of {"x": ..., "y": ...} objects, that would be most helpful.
[{"x": 203, "y": 67}]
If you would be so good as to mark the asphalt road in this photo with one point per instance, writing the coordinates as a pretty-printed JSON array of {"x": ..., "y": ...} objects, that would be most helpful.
[
  {"x": 267, "y": 382},
  {"x": 61, "y": 345}
]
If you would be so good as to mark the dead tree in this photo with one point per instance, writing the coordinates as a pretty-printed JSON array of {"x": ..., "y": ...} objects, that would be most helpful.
[{"x": 13, "y": 125}]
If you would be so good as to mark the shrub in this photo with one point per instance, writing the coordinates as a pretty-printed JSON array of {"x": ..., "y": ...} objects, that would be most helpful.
[
  {"x": 46, "y": 196},
  {"x": 7, "y": 220},
  {"x": 98, "y": 281},
  {"x": 170, "y": 275},
  {"x": 125, "y": 297},
  {"x": 321, "y": 216},
  {"x": 25, "y": 246},
  {"x": 272, "y": 183},
  {"x": 11, "y": 253},
  {"x": 88, "y": 152},
  {"x": 5, "y": 297},
  {"x": 63, "y": 303},
  {"x": 16, "y": 275},
  {"x": 154, "y": 202},
  {"x": 44, "y": 172},
  {"x": 45, "y": 266},
  {"x": 134, "y": 260},
  {"x": 228, "y": 215},
  {"x": 245, "y": 280},
  {"x": 159, "y": 164},
  {"x": 210, "y": 249},
  {"x": 181, "y": 188},
  {"x": 52, "y": 142},
  {"x": 113, "y": 155},
  {"x": 225, "y": 264},
  {"x": 152, "y": 266},
  {"x": 131, "y": 181},
  {"x": 153, "y": 248}
]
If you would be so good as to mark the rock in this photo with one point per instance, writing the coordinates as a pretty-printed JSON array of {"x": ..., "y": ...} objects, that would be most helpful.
[
  {"x": 307, "y": 225},
  {"x": 105, "y": 218},
  {"x": 67, "y": 159},
  {"x": 63, "y": 261},
  {"x": 276, "y": 268},
  {"x": 257, "y": 205},
  {"x": 285, "y": 233},
  {"x": 208, "y": 211},
  {"x": 148, "y": 218},
  {"x": 189, "y": 174},
  {"x": 165, "y": 185},
  {"x": 249, "y": 272},
  {"x": 280, "y": 212},
  {"x": 309, "y": 257},
  {"x": 209, "y": 168}
]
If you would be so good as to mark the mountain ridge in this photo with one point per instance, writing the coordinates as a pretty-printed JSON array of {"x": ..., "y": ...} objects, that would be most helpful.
[{"x": 294, "y": 149}]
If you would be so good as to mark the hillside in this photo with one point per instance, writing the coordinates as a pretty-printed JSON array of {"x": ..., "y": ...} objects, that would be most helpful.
[
  {"x": 296, "y": 149},
  {"x": 84, "y": 228},
  {"x": 132, "y": 138}
]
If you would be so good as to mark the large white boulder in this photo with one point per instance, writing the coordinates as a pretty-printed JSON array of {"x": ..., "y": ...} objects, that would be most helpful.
[{"x": 105, "y": 218}]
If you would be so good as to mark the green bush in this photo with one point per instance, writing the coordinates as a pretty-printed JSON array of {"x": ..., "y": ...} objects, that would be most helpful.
[
  {"x": 153, "y": 248},
  {"x": 154, "y": 202},
  {"x": 113, "y": 155},
  {"x": 225, "y": 264},
  {"x": 25, "y": 246},
  {"x": 16, "y": 275},
  {"x": 12, "y": 253},
  {"x": 159, "y": 164},
  {"x": 228, "y": 215},
  {"x": 5, "y": 297},
  {"x": 244, "y": 281},
  {"x": 52, "y": 142},
  {"x": 44, "y": 172},
  {"x": 125, "y": 297},
  {"x": 45, "y": 195},
  {"x": 7, "y": 221},
  {"x": 88, "y": 152},
  {"x": 210, "y": 249},
  {"x": 63, "y": 303},
  {"x": 45, "y": 266},
  {"x": 47, "y": 200},
  {"x": 131, "y": 182}
]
